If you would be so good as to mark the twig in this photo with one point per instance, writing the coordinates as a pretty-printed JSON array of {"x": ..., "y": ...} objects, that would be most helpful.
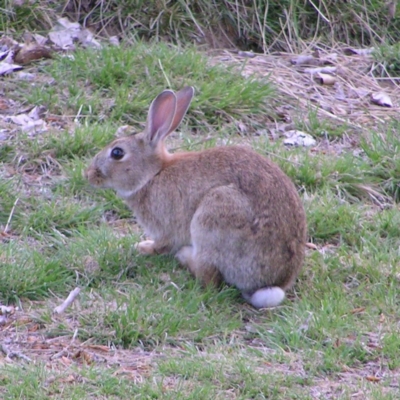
[
  {"x": 59, "y": 354},
  {"x": 165, "y": 75},
  {"x": 11, "y": 354},
  {"x": 67, "y": 302},
  {"x": 11, "y": 214},
  {"x": 320, "y": 12}
]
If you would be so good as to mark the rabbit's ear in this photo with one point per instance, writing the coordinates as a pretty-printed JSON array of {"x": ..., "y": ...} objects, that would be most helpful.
[
  {"x": 183, "y": 99},
  {"x": 160, "y": 117}
]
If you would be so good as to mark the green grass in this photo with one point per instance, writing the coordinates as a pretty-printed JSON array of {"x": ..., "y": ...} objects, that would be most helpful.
[
  {"x": 387, "y": 59},
  {"x": 333, "y": 336},
  {"x": 118, "y": 84}
]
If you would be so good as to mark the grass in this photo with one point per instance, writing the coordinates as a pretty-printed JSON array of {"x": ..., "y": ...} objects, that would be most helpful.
[
  {"x": 142, "y": 327},
  {"x": 248, "y": 24},
  {"x": 104, "y": 85},
  {"x": 387, "y": 59}
]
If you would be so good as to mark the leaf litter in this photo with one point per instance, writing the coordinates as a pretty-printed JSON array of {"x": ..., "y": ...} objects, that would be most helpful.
[{"x": 336, "y": 83}]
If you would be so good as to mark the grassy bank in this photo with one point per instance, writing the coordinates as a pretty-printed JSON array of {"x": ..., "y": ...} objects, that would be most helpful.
[
  {"x": 142, "y": 327},
  {"x": 247, "y": 24}
]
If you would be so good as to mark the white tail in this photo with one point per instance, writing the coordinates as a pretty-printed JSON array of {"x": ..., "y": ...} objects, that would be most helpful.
[{"x": 266, "y": 297}]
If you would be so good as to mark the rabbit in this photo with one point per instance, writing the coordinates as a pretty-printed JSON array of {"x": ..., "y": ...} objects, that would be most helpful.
[{"x": 227, "y": 213}]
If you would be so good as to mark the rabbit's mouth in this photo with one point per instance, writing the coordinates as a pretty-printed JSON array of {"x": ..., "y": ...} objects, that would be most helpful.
[{"x": 95, "y": 177}]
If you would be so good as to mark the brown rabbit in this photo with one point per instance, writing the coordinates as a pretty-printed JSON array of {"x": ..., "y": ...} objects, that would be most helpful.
[{"x": 227, "y": 213}]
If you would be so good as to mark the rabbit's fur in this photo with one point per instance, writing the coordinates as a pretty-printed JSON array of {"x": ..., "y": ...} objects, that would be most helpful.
[{"x": 228, "y": 213}]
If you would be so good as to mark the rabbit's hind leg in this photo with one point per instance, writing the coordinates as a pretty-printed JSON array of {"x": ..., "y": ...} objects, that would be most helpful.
[{"x": 207, "y": 274}]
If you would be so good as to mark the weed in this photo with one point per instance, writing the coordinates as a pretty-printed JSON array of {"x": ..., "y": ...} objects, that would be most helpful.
[{"x": 388, "y": 60}]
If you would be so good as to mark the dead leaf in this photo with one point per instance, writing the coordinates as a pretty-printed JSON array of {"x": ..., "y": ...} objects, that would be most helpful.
[
  {"x": 357, "y": 93},
  {"x": 325, "y": 79},
  {"x": 86, "y": 38},
  {"x": 7, "y": 310},
  {"x": 64, "y": 33},
  {"x": 3, "y": 134},
  {"x": 66, "y": 360},
  {"x": 305, "y": 60},
  {"x": 4, "y": 104},
  {"x": 8, "y": 42},
  {"x": 31, "y": 123},
  {"x": 6, "y": 68},
  {"x": 372, "y": 378},
  {"x": 321, "y": 70},
  {"x": 242, "y": 127},
  {"x": 358, "y": 310},
  {"x": 311, "y": 246},
  {"x": 3, "y": 53},
  {"x": 25, "y": 76},
  {"x": 9, "y": 59},
  {"x": 382, "y": 318},
  {"x": 37, "y": 112},
  {"x": 67, "y": 24},
  {"x": 381, "y": 99},
  {"x": 248, "y": 54},
  {"x": 41, "y": 40},
  {"x": 83, "y": 356},
  {"x": 68, "y": 379},
  {"x": 62, "y": 39},
  {"x": 34, "y": 328},
  {"x": 32, "y": 52},
  {"x": 360, "y": 52},
  {"x": 99, "y": 347},
  {"x": 299, "y": 138},
  {"x": 114, "y": 40}
]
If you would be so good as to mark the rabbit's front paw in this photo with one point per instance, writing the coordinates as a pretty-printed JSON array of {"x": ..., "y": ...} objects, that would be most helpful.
[{"x": 145, "y": 247}]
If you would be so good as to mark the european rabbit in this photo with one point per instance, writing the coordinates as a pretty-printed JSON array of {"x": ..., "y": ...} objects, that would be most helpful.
[{"x": 227, "y": 213}]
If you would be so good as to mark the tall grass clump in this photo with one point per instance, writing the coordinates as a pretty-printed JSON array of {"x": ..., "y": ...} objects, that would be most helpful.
[{"x": 249, "y": 24}]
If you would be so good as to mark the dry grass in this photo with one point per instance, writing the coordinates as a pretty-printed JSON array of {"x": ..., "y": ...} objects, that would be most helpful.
[
  {"x": 31, "y": 337},
  {"x": 347, "y": 101},
  {"x": 24, "y": 338}
]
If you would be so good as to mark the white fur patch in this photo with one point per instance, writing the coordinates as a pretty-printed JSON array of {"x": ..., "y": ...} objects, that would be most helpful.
[
  {"x": 125, "y": 194},
  {"x": 146, "y": 247},
  {"x": 185, "y": 254},
  {"x": 267, "y": 297}
]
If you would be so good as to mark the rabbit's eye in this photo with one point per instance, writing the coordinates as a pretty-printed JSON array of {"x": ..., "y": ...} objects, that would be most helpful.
[{"x": 117, "y": 153}]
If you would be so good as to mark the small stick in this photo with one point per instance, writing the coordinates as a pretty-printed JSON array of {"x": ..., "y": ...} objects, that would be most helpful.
[
  {"x": 11, "y": 214},
  {"x": 67, "y": 302},
  {"x": 11, "y": 354},
  {"x": 165, "y": 75}
]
